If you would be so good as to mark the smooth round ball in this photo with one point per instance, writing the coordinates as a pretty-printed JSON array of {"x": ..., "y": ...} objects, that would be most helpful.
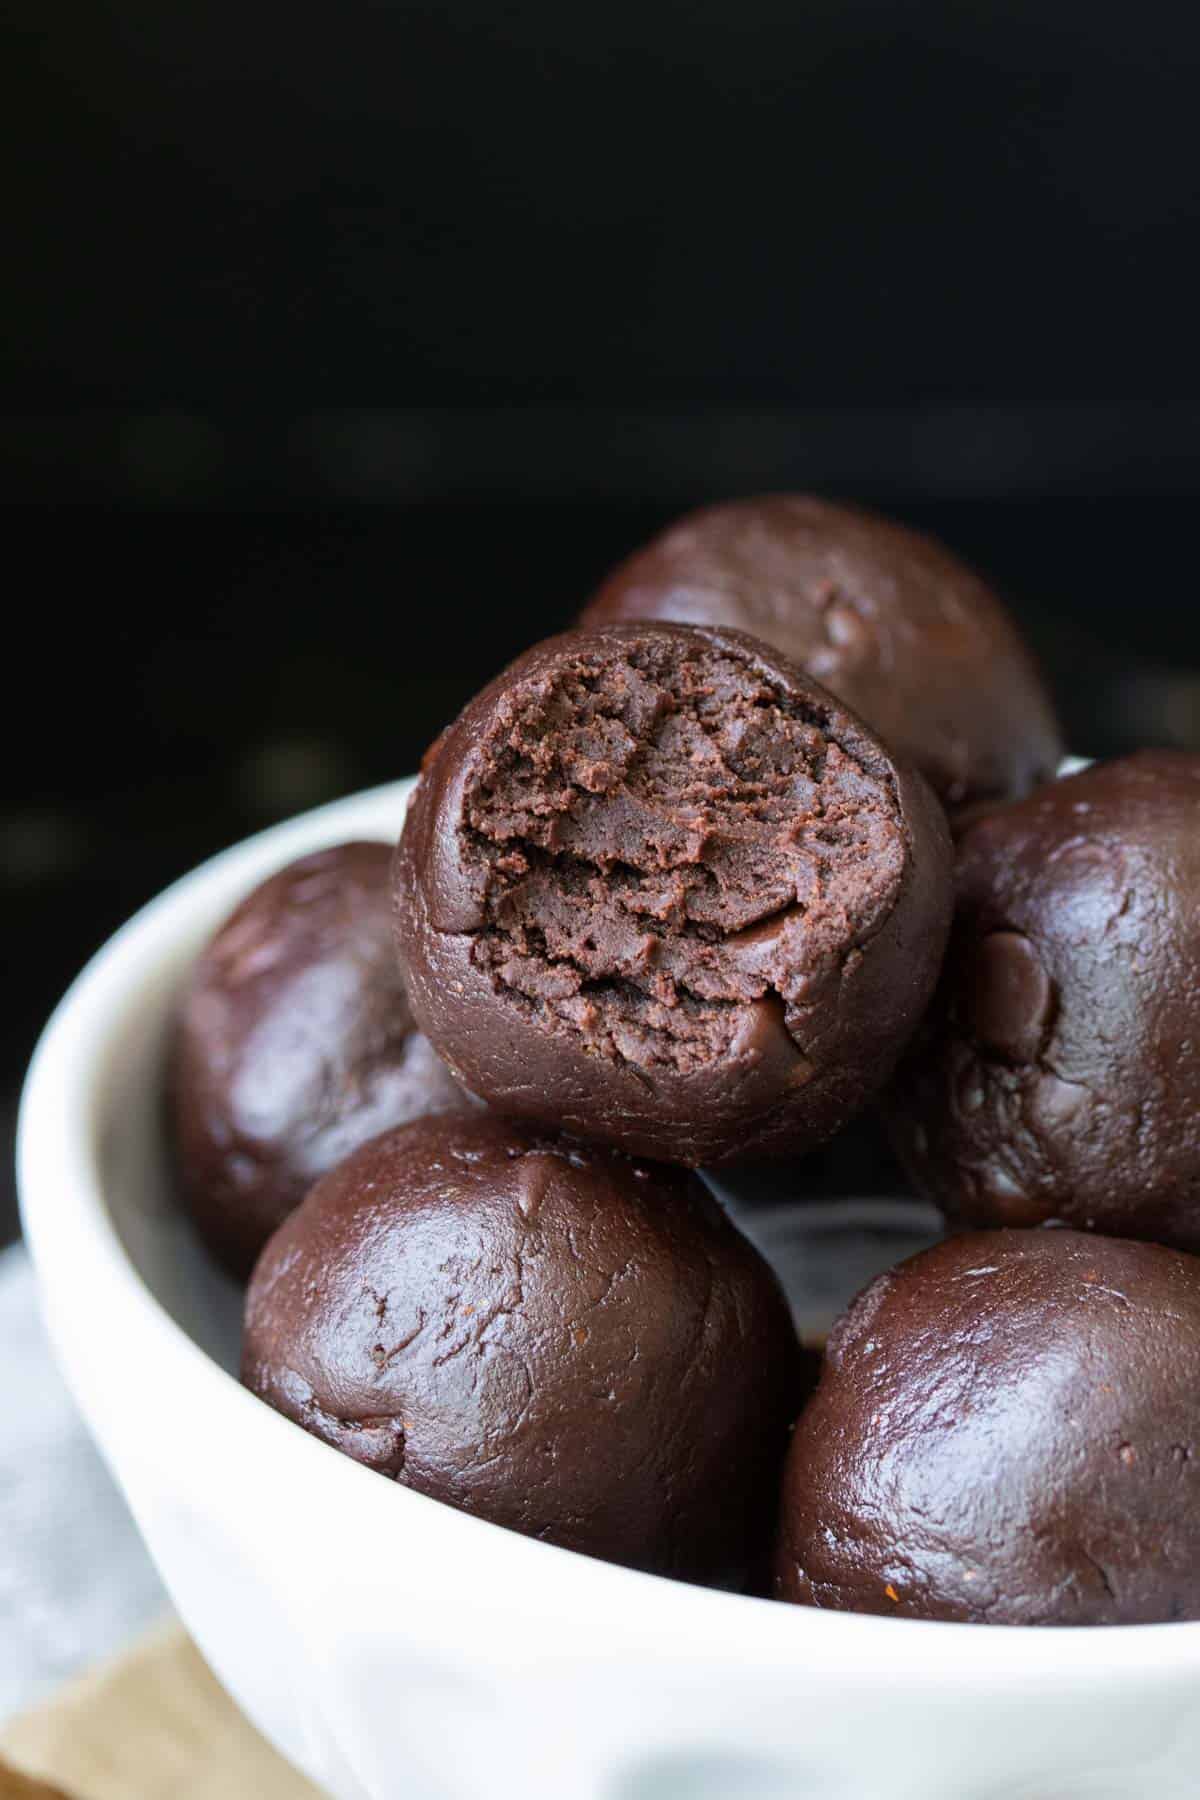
[
  {"x": 1059, "y": 1075},
  {"x": 887, "y": 619},
  {"x": 568, "y": 1343},
  {"x": 293, "y": 1045},
  {"x": 660, "y": 889},
  {"x": 1006, "y": 1430}
]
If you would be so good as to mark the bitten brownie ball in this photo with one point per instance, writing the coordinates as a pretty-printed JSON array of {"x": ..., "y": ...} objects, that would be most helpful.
[
  {"x": 1007, "y": 1431},
  {"x": 660, "y": 889},
  {"x": 886, "y": 618},
  {"x": 294, "y": 1043},
  {"x": 565, "y": 1342},
  {"x": 1059, "y": 1075}
]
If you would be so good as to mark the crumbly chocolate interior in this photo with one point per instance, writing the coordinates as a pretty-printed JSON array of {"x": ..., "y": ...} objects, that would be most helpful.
[{"x": 664, "y": 836}]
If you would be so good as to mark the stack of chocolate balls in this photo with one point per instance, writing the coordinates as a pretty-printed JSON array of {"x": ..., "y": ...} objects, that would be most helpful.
[{"x": 771, "y": 842}]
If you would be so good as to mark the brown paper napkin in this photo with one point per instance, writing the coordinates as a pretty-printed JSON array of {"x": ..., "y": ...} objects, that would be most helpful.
[
  {"x": 15, "y": 1786},
  {"x": 152, "y": 1725}
]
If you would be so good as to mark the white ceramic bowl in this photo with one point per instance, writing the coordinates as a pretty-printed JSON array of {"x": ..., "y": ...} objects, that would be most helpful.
[{"x": 398, "y": 1650}]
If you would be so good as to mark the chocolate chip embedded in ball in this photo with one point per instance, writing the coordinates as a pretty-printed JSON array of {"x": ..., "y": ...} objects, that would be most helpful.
[
  {"x": 660, "y": 889},
  {"x": 889, "y": 620},
  {"x": 1006, "y": 1430},
  {"x": 1008, "y": 997},
  {"x": 1059, "y": 1074},
  {"x": 294, "y": 1044},
  {"x": 553, "y": 1337}
]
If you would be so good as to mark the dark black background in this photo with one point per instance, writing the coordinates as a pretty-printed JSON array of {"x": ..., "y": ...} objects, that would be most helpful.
[{"x": 343, "y": 349}]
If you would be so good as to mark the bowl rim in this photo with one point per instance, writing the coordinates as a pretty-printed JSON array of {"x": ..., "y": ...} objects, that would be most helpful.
[{"x": 76, "y": 1249}]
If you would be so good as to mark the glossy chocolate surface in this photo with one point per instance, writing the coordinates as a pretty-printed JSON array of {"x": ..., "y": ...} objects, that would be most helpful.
[
  {"x": 1058, "y": 1076},
  {"x": 1006, "y": 1431},
  {"x": 566, "y": 1342},
  {"x": 888, "y": 619},
  {"x": 294, "y": 1044}
]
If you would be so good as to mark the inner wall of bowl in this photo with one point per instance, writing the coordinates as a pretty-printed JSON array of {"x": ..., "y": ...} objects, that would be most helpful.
[
  {"x": 823, "y": 1251},
  {"x": 826, "y": 1251},
  {"x": 137, "y": 1179}
]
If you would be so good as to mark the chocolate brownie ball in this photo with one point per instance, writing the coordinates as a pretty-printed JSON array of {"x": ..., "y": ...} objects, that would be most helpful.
[
  {"x": 889, "y": 620},
  {"x": 566, "y": 1342},
  {"x": 660, "y": 889},
  {"x": 1059, "y": 1076},
  {"x": 1006, "y": 1430},
  {"x": 294, "y": 1043}
]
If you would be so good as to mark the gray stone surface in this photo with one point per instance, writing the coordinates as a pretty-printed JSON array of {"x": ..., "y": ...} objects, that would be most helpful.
[{"x": 75, "y": 1582}]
